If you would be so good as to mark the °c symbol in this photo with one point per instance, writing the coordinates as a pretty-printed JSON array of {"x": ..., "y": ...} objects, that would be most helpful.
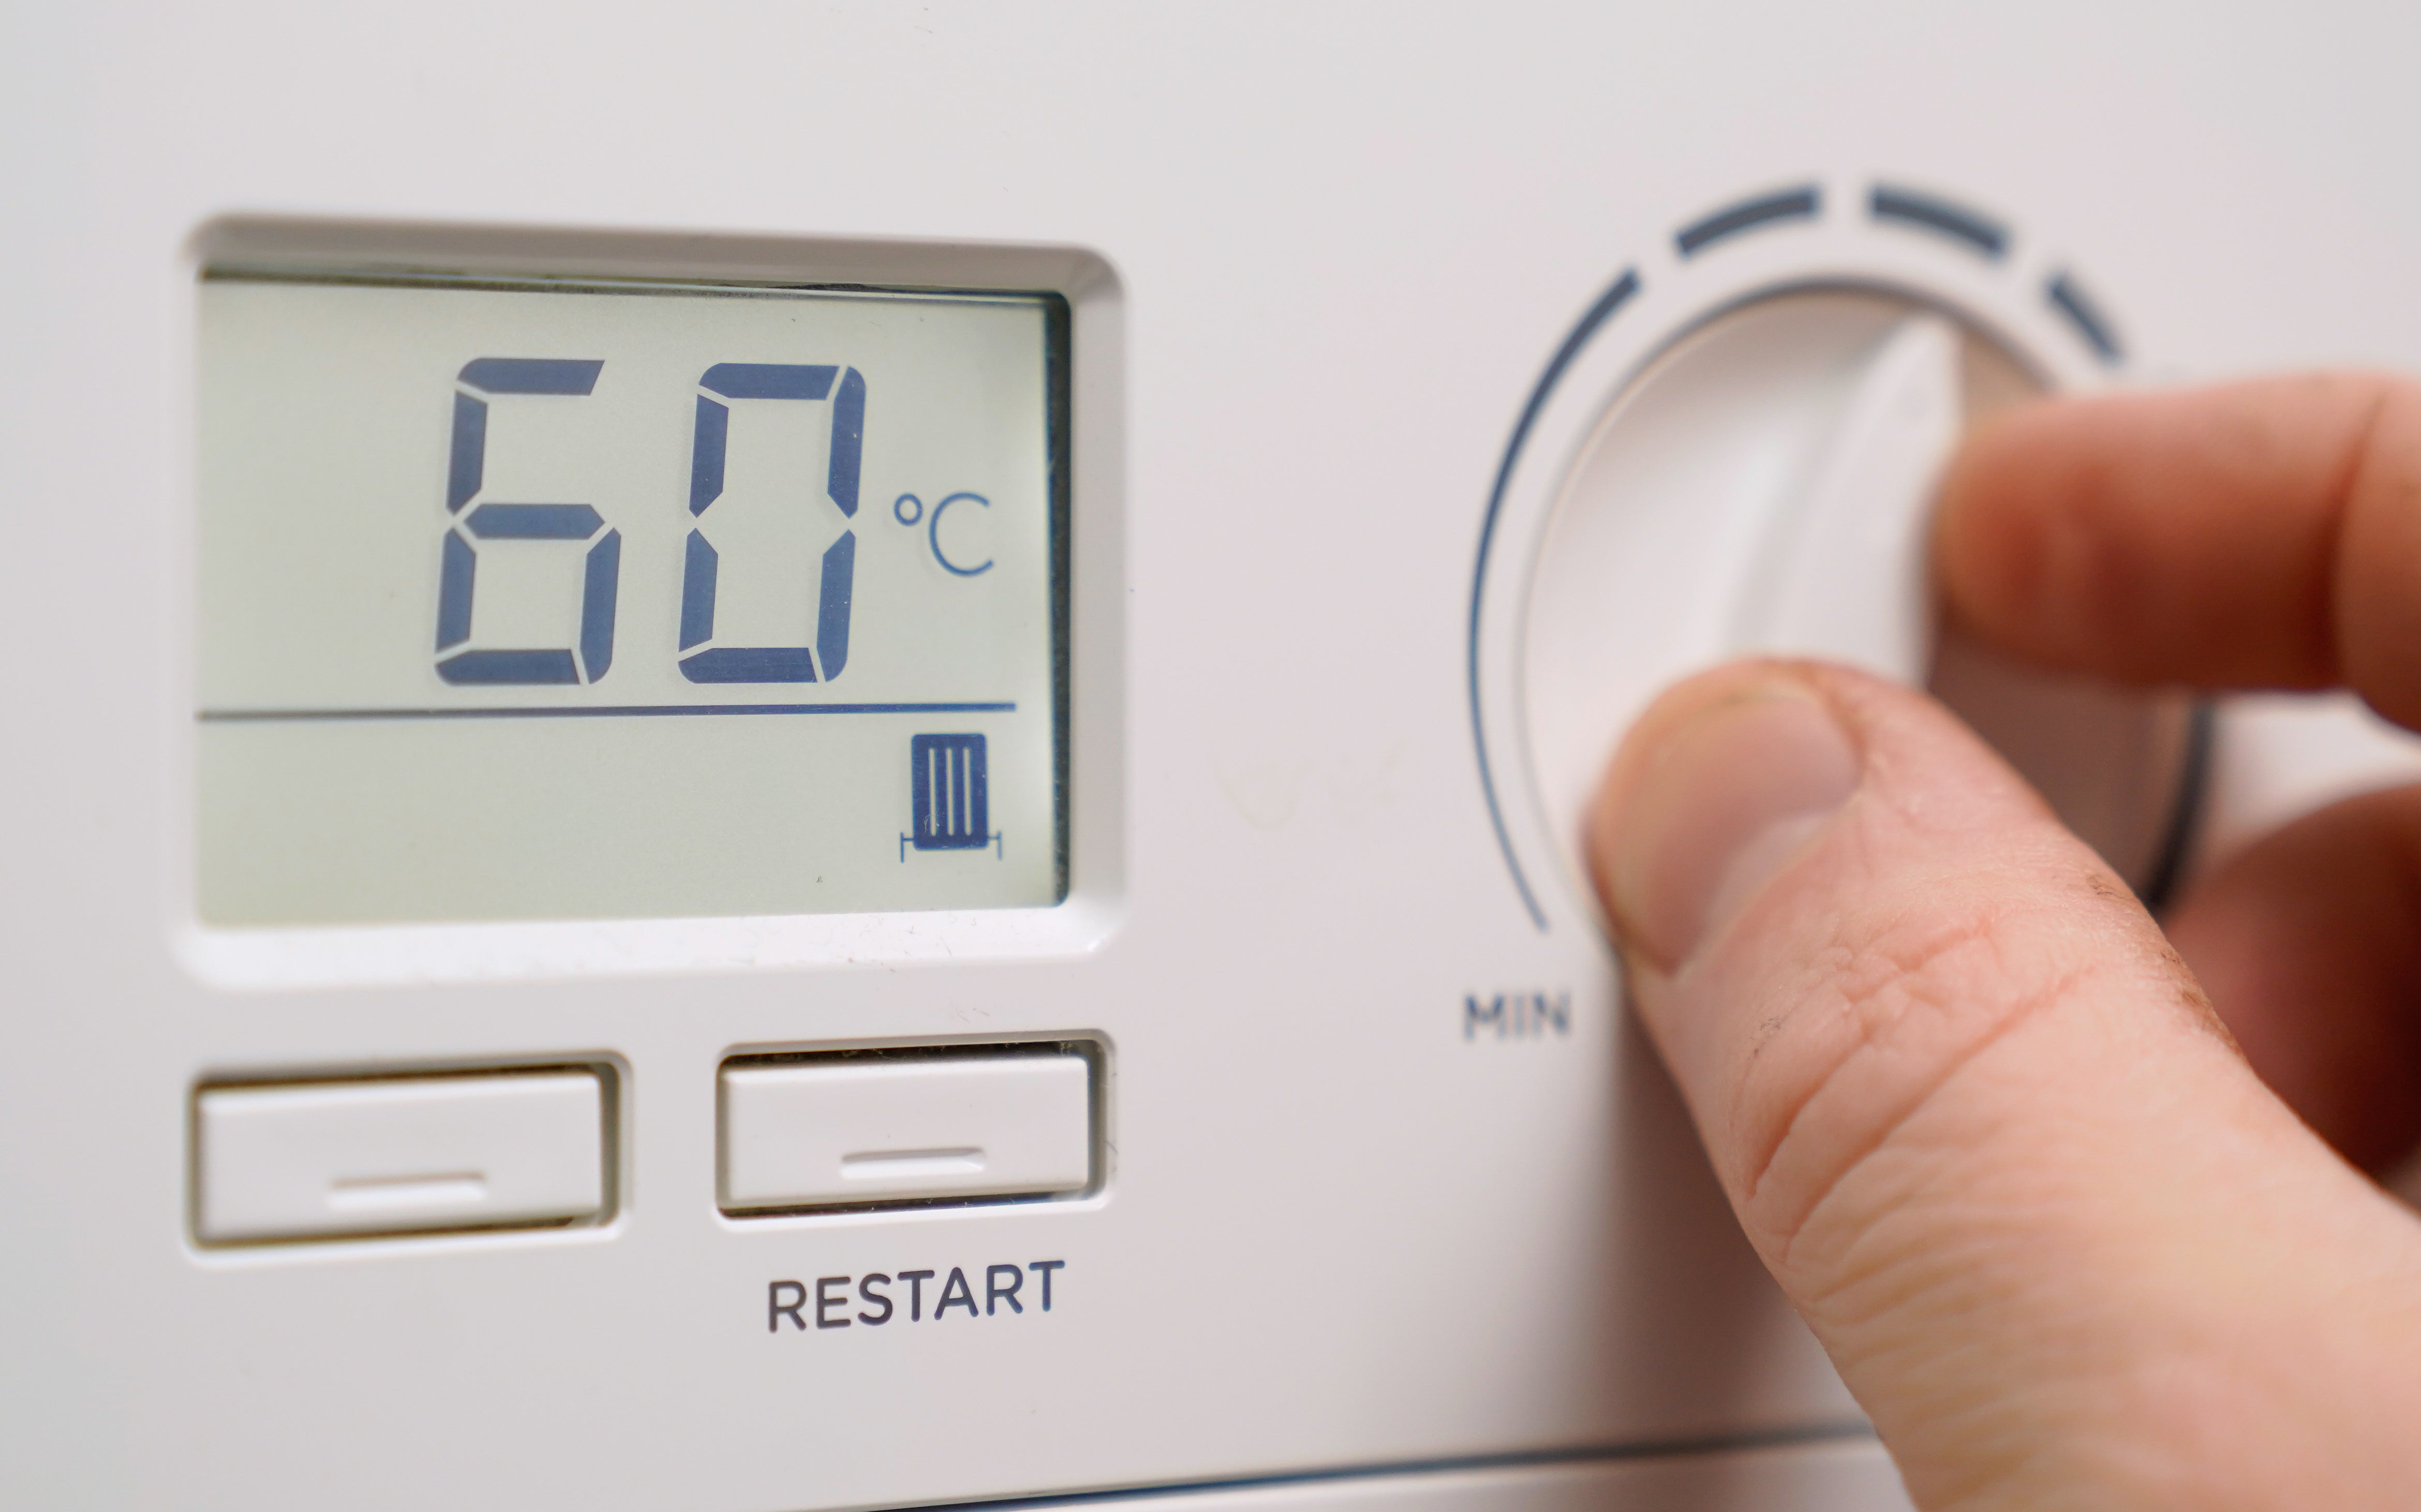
[{"x": 934, "y": 534}]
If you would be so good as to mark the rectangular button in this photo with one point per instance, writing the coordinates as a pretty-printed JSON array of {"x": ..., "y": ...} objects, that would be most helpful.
[
  {"x": 836, "y": 1131},
  {"x": 403, "y": 1154}
]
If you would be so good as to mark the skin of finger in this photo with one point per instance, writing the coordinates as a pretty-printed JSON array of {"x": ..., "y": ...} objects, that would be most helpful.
[
  {"x": 2265, "y": 534},
  {"x": 2309, "y": 943},
  {"x": 1979, "y": 1122},
  {"x": 2378, "y": 588}
]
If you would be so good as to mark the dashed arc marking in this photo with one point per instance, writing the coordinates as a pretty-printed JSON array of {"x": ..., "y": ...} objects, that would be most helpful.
[
  {"x": 1979, "y": 232},
  {"x": 1805, "y": 202},
  {"x": 2081, "y": 312}
]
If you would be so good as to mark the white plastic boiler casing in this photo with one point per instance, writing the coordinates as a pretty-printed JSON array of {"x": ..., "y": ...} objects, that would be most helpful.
[{"x": 1391, "y": 1209}]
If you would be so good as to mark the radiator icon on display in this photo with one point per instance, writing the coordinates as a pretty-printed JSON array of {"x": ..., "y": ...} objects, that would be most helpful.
[{"x": 952, "y": 810}]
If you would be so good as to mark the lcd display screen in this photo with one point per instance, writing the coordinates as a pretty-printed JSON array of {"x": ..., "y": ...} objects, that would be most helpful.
[{"x": 578, "y": 600}]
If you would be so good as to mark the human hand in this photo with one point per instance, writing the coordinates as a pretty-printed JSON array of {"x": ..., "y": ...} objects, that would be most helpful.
[{"x": 2070, "y": 1241}]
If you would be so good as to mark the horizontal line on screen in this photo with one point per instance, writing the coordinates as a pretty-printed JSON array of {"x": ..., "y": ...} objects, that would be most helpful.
[{"x": 296, "y": 716}]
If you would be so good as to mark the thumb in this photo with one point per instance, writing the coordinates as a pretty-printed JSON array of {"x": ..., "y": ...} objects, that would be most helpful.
[{"x": 1983, "y": 1126}]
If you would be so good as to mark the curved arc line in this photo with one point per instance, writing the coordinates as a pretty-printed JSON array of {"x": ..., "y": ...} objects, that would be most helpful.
[{"x": 1615, "y": 296}]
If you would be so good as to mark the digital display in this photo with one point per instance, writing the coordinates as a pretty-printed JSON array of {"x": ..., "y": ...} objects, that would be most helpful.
[{"x": 557, "y": 599}]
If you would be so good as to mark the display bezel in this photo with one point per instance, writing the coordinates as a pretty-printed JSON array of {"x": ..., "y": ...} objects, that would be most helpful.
[{"x": 1081, "y": 301}]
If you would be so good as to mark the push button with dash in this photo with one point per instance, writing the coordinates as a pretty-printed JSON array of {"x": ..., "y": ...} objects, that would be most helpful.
[{"x": 838, "y": 1131}]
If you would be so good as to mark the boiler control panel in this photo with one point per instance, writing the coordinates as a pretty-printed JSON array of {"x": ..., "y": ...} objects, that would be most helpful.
[{"x": 828, "y": 757}]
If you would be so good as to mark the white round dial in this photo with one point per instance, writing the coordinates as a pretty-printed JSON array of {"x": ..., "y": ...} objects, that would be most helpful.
[{"x": 1764, "y": 484}]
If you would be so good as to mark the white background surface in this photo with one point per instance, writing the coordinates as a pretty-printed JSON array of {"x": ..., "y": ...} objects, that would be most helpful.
[{"x": 1346, "y": 239}]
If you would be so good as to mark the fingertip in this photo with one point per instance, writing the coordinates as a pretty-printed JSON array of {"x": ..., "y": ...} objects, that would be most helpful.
[
  {"x": 2193, "y": 536},
  {"x": 1988, "y": 552},
  {"x": 1707, "y": 795}
]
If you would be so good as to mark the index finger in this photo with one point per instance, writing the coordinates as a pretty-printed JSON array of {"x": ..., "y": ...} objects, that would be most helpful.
[{"x": 2263, "y": 534}]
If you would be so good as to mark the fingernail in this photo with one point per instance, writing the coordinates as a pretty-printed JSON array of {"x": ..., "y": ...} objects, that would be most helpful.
[{"x": 1700, "y": 817}]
